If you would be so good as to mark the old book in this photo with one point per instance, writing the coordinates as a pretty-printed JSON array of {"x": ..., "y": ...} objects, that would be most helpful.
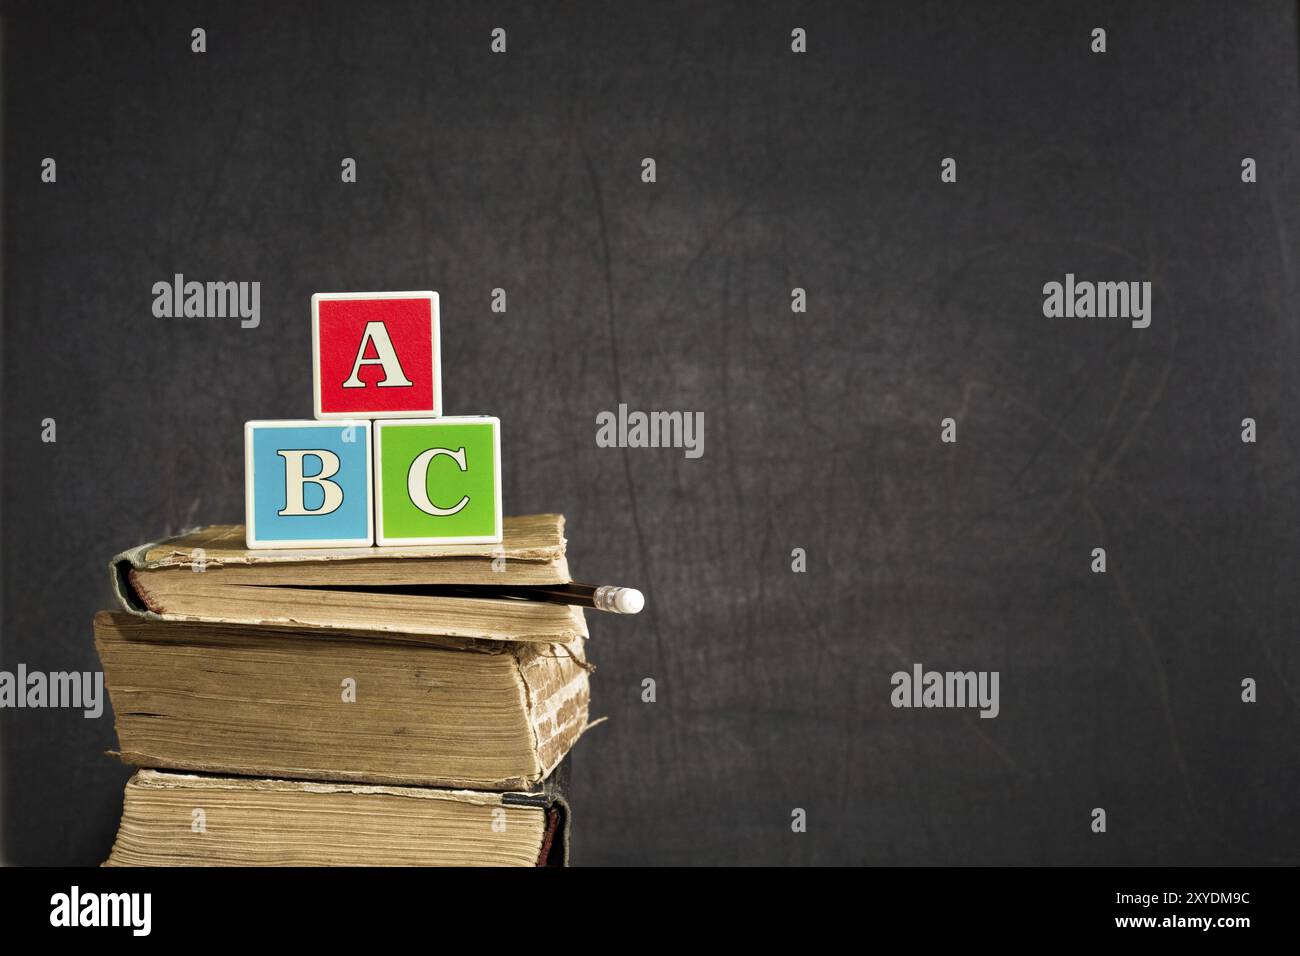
[
  {"x": 209, "y": 575},
  {"x": 343, "y": 706},
  {"x": 171, "y": 819}
]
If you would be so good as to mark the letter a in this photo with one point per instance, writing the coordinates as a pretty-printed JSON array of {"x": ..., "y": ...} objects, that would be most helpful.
[{"x": 385, "y": 355}]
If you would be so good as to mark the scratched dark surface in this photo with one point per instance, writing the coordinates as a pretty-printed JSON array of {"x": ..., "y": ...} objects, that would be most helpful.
[{"x": 821, "y": 171}]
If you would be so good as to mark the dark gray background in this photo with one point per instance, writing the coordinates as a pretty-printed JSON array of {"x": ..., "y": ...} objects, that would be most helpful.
[{"x": 822, "y": 430}]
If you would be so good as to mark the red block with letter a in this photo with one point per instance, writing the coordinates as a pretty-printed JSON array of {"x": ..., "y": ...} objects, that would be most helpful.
[{"x": 375, "y": 355}]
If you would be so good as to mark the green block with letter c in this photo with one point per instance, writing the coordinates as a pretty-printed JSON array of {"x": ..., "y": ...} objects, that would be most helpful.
[{"x": 437, "y": 480}]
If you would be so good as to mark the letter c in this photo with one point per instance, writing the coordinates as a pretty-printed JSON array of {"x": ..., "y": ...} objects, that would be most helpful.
[{"x": 417, "y": 481}]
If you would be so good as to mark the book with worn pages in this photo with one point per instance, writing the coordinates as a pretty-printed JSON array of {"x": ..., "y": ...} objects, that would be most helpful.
[
  {"x": 176, "y": 819},
  {"x": 280, "y": 701},
  {"x": 369, "y": 686},
  {"x": 208, "y": 575}
]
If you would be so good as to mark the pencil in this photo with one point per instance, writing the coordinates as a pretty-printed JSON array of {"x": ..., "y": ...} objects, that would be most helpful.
[{"x": 600, "y": 597}]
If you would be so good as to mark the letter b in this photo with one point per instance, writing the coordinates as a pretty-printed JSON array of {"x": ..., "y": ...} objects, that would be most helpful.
[{"x": 295, "y": 480}]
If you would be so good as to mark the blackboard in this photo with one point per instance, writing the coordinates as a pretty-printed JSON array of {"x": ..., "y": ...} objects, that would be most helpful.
[{"x": 823, "y": 429}]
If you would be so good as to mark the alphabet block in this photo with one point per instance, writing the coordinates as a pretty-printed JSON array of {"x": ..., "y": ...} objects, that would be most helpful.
[
  {"x": 438, "y": 481},
  {"x": 376, "y": 355},
  {"x": 307, "y": 484}
]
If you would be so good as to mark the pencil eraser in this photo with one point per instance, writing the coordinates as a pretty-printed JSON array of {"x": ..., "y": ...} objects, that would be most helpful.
[{"x": 629, "y": 601}]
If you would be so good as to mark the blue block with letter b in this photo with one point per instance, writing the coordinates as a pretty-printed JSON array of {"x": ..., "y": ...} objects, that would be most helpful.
[{"x": 308, "y": 484}]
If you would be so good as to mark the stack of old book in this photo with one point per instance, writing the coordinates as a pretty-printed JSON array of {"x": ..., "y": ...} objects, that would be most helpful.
[{"x": 358, "y": 706}]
